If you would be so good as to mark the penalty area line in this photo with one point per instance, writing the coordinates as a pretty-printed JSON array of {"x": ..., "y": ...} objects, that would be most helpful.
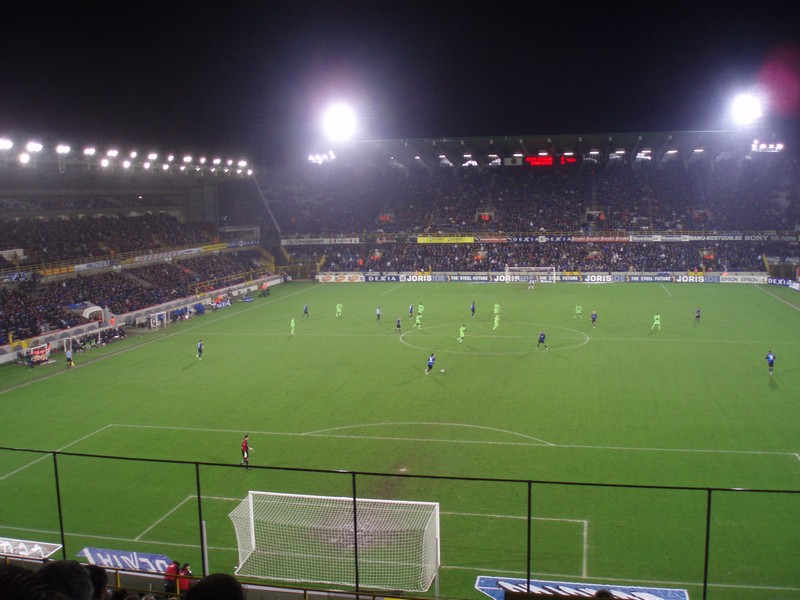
[{"x": 46, "y": 456}]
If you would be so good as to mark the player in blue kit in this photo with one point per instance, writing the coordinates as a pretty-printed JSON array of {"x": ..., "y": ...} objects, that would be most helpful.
[
  {"x": 697, "y": 316},
  {"x": 431, "y": 362},
  {"x": 200, "y": 350},
  {"x": 305, "y": 310},
  {"x": 411, "y": 311},
  {"x": 397, "y": 326},
  {"x": 594, "y": 319},
  {"x": 542, "y": 337},
  {"x": 770, "y": 358},
  {"x": 472, "y": 309}
]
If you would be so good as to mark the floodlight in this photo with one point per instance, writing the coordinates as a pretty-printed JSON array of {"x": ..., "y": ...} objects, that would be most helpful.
[
  {"x": 126, "y": 164},
  {"x": 230, "y": 162},
  {"x": 62, "y": 149},
  {"x": 33, "y": 147},
  {"x": 249, "y": 171},
  {"x": 242, "y": 163},
  {"x": 112, "y": 153},
  {"x": 216, "y": 161},
  {"x": 105, "y": 162},
  {"x": 170, "y": 158},
  {"x": 339, "y": 122},
  {"x": 187, "y": 159},
  {"x": 202, "y": 160},
  {"x": 24, "y": 158},
  {"x": 89, "y": 151},
  {"x": 165, "y": 167},
  {"x": 6, "y": 144},
  {"x": 146, "y": 165},
  {"x": 746, "y": 109},
  {"x": 152, "y": 156}
]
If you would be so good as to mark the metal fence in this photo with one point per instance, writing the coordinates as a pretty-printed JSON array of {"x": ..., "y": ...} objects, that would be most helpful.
[{"x": 718, "y": 543}]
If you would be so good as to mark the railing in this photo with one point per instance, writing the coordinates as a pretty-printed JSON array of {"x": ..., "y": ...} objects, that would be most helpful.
[{"x": 724, "y": 540}]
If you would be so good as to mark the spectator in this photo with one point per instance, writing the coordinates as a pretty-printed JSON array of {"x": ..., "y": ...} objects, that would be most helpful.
[
  {"x": 99, "y": 579},
  {"x": 217, "y": 586},
  {"x": 21, "y": 584},
  {"x": 68, "y": 577},
  {"x": 171, "y": 577},
  {"x": 184, "y": 579}
]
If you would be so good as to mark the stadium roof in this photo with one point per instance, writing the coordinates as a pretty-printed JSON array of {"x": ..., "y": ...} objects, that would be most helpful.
[{"x": 599, "y": 146}]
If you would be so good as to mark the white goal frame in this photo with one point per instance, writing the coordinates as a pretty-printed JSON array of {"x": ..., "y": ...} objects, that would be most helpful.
[
  {"x": 530, "y": 275},
  {"x": 309, "y": 539},
  {"x": 158, "y": 319}
]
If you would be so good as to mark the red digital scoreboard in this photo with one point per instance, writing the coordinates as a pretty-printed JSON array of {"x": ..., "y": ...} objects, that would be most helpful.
[{"x": 547, "y": 160}]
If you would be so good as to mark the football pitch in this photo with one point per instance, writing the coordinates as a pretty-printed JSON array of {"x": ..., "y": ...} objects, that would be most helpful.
[{"x": 689, "y": 406}]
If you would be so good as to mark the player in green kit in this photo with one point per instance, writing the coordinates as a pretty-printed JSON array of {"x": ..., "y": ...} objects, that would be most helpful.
[
  {"x": 496, "y": 308},
  {"x": 420, "y": 308},
  {"x": 656, "y": 322},
  {"x": 578, "y": 312},
  {"x": 339, "y": 309},
  {"x": 418, "y": 321},
  {"x": 461, "y": 332},
  {"x": 291, "y": 324},
  {"x": 496, "y": 322}
]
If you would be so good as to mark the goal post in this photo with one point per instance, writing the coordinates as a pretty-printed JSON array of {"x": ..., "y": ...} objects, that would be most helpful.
[
  {"x": 301, "y": 538},
  {"x": 530, "y": 275}
]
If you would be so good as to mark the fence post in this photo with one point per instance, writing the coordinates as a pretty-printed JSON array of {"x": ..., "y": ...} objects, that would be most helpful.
[
  {"x": 200, "y": 516},
  {"x": 355, "y": 531},
  {"x": 708, "y": 544},
  {"x": 60, "y": 512},
  {"x": 530, "y": 552}
]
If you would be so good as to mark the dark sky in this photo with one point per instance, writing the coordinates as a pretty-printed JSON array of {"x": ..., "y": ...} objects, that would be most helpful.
[{"x": 252, "y": 77}]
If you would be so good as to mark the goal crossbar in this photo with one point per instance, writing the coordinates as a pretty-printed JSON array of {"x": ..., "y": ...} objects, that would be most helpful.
[{"x": 304, "y": 538}]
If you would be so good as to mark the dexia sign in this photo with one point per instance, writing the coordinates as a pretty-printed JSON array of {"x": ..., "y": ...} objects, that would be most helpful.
[{"x": 496, "y": 588}]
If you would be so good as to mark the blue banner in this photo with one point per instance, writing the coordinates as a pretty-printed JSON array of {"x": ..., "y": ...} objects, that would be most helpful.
[
  {"x": 124, "y": 559},
  {"x": 495, "y": 588}
]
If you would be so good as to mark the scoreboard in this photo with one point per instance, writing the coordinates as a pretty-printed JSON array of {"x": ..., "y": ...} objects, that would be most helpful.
[{"x": 548, "y": 160}]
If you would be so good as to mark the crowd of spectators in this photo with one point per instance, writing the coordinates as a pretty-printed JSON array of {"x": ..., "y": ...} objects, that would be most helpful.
[
  {"x": 564, "y": 256},
  {"x": 675, "y": 196},
  {"x": 71, "y": 580},
  {"x": 31, "y": 308},
  {"x": 51, "y": 240}
]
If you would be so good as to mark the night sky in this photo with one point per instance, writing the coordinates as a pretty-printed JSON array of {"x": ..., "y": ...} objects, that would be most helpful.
[{"x": 253, "y": 77}]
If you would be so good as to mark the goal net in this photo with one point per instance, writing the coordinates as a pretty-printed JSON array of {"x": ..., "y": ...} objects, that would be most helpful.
[
  {"x": 530, "y": 275},
  {"x": 289, "y": 537},
  {"x": 159, "y": 319}
]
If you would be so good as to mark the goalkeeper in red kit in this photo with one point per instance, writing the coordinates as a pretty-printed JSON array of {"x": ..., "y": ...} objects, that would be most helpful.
[{"x": 246, "y": 449}]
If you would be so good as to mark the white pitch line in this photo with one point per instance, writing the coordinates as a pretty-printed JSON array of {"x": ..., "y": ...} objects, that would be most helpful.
[
  {"x": 551, "y": 445},
  {"x": 778, "y": 298},
  {"x": 585, "y": 565},
  {"x": 415, "y": 423},
  {"x": 164, "y": 516},
  {"x": 666, "y": 290},
  {"x": 513, "y": 517},
  {"x": 46, "y": 456}
]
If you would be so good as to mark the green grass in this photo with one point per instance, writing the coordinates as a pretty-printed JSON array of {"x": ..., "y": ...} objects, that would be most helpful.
[{"x": 690, "y": 405}]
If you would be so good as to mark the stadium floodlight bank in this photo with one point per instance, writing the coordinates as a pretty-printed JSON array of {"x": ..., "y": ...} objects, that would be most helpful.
[
  {"x": 530, "y": 275},
  {"x": 299, "y": 538}
]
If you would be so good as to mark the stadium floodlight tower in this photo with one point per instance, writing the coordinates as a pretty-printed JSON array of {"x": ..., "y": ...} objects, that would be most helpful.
[
  {"x": 339, "y": 122},
  {"x": 746, "y": 109}
]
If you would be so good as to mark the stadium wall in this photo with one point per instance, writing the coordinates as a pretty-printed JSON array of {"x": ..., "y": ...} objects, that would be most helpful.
[{"x": 563, "y": 277}]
